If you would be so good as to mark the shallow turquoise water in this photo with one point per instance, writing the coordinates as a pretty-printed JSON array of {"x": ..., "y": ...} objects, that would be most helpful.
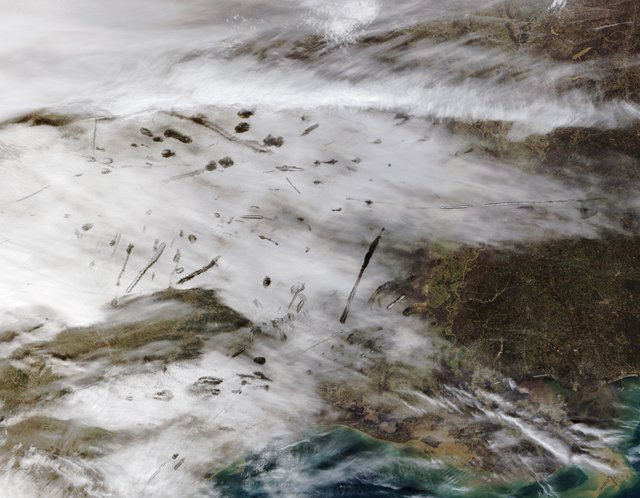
[
  {"x": 341, "y": 462},
  {"x": 630, "y": 394}
]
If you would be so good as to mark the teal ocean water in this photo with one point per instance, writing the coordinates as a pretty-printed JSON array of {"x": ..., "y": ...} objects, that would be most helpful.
[
  {"x": 237, "y": 235},
  {"x": 343, "y": 463}
]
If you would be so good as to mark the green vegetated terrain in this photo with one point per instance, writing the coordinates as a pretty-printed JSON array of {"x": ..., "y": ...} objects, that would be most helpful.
[
  {"x": 565, "y": 308},
  {"x": 27, "y": 377},
  {"x": 560, "y": 316},
  {"x": 601, "y": 40},
  {"x": 62, "y": 438},
  {"x": 185, "y": 331}
]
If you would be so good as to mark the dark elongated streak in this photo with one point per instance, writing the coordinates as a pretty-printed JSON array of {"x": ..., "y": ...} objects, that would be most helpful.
[
  {"x": 124, "y": 266},
  {"x": 203, "y": 121},
  {"x": 185, "y": 175},
  {"x": 310, "y": 129},
  {"x": 367, "y": 259},
  {"x": 151, "y": 262},
  {"x": 31, "y": 195},
  {"x": 295, "y": 295},
  {"x": 211, "y": 264},
  {"x": 294, "y": 187}
]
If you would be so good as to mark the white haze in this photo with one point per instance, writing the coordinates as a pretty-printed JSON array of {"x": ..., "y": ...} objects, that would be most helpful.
[
  {"x": 63, "y": 201},
  {"x": 126, "y": 57},
  {"x": 304, "y": 223}
]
